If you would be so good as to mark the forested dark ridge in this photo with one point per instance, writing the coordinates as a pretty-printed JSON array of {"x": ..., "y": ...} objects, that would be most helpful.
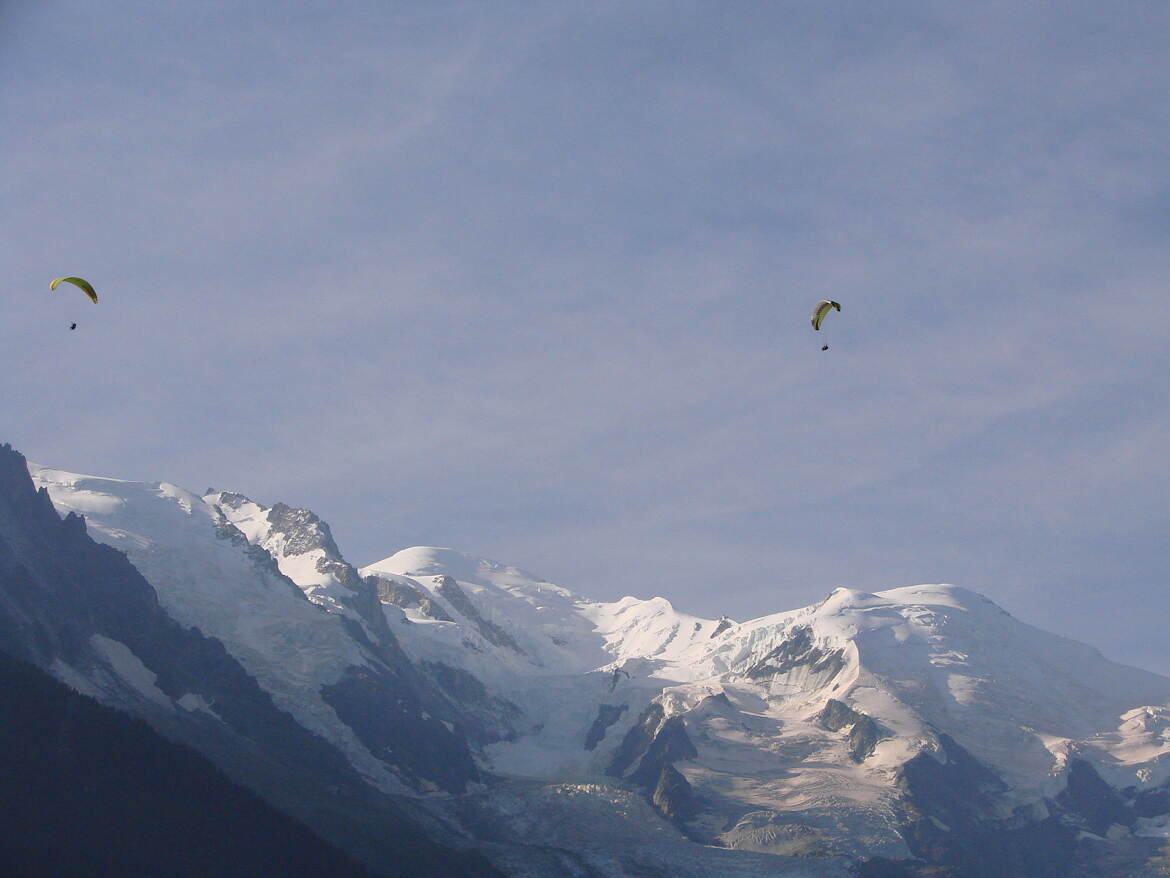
[{"x": 88, "y": 791}]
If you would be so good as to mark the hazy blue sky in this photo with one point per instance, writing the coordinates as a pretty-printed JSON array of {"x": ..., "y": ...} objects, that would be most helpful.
[{"x": 532, "y": 280}]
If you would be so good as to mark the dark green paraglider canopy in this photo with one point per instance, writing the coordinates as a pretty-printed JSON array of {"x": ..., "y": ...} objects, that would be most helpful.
[{"x": 79, "y": 282}]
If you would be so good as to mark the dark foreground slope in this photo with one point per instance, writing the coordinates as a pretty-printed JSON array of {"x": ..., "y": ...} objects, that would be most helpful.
[
  {"x": 86, "y": 790},
  {"x": 62, "y": 595}
]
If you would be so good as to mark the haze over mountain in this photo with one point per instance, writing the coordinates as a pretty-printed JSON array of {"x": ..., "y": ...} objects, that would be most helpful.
[
  {"x": 917, "y": 728},
  {"x": 534, "y": 279}
]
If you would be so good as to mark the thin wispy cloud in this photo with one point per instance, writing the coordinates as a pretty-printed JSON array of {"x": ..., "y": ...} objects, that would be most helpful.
[{"x": 534, "y": 280}]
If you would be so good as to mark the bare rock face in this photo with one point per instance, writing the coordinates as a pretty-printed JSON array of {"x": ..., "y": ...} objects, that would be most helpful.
[
  {"x": 670, "y": 744},
  {"x": 656, "y": 743},
  {"x": 302, "y": 531},
  {"x": 388, "y": 722},
  {"x": 864, "y": 733},
  {"x": 484, "y": 718},
  {"x": 407, "y": 597},
  {"x": 797, "y": 651},
  {"x": 724, "y": 624},
  {"x": 673, "y": 797},
  {"x": 863, "y": 737},
  {"x": 449, "y": 590},
  {"x": 607, "y": 715},
  {"x": 637, "y": 740},
  {"x": 837, "y": 715},
  {"x": 1097, "y": 805}
]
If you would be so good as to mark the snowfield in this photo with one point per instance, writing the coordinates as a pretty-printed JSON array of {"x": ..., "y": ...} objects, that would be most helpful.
[{"x": 290, "y": 645}]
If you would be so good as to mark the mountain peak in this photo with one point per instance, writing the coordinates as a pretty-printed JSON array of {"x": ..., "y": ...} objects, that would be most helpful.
[
  {"x": 941, "y": 594},
  {"x": 460, "y": 566},
  {"x": 428, "y": 561}
]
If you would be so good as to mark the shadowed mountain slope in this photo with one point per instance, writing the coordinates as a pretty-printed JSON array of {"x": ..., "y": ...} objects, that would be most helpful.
[{"x": 88, "y": 790}]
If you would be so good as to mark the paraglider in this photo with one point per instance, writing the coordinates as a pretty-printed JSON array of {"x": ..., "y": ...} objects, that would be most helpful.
[
  {"x": 820, "y": 310},
  {"x": 79, "y": 282}
]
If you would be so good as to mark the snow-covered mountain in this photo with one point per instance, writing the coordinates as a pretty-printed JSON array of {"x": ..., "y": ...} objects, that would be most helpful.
[
  {"x": 569, "y": 736},
  {"x": 791, "y": 732},
  {"x": 82, "y": 611}
]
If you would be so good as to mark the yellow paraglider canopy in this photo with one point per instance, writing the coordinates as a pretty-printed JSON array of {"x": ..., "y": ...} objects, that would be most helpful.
[
  {"x": 79, "y": 282},
  {"x": 823, "y": 307}
]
